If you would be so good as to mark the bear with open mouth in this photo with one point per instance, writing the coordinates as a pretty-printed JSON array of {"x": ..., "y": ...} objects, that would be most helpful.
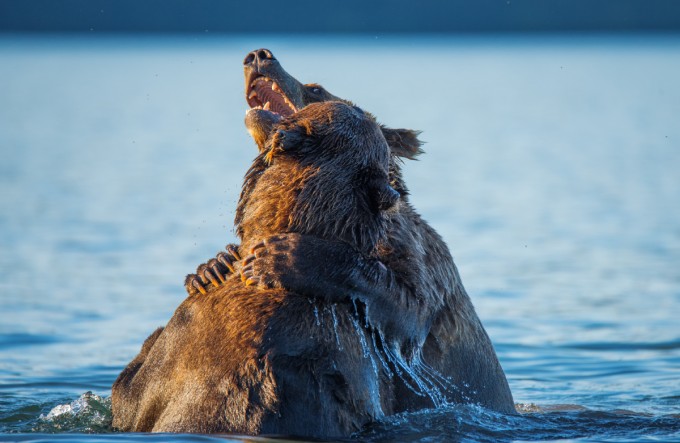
[
  {"x": 251, "y": 360},
  {"x": 413, "y": 292}
]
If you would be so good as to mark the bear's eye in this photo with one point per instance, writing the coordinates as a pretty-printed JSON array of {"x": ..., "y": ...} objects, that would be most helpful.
[{"x": 315, "y": 90}]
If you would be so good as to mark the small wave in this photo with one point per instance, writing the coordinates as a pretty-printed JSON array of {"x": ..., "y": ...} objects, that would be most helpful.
[
  {"x": 21, "y": 340},
  {"x": 90, "y": 413},
  {"x": 534, "y": 422},
  {"x": 625, "y": 346}
]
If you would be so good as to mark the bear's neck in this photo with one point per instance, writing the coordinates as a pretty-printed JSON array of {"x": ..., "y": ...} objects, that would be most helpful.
[{"x": 287, "y": 197}]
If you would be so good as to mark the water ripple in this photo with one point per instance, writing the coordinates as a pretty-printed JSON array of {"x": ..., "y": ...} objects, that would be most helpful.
[
  {"x": 19, "y": 340},
  {"x": 624, "y": 346},
  {"x": 564, "y": 223}
]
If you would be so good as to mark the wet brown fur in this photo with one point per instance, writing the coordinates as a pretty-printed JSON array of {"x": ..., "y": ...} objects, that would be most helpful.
[
  {"x": 246, "y": 360},
  {"x": 420, "y": 303}
]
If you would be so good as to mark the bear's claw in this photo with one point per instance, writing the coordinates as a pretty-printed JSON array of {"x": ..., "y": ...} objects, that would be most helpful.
[
  {"x": 233, "y": 251},
  {"x": 193, "y": 286},
  {"x": 206, "y": 274},
  {"x": 223, "y": 259},
  {"x": 213, "y": 273}
]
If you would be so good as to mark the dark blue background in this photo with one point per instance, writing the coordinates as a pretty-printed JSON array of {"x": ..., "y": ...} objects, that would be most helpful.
[{"x": 350, "y": 16}]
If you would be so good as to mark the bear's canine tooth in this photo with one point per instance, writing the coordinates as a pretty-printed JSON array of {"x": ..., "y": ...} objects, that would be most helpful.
[
  {"x": 275, "y": 87},
  {"x": 267, "y": 106},
  {"x": 290, "y": 105},
  {"x": 252, "y": 94}
]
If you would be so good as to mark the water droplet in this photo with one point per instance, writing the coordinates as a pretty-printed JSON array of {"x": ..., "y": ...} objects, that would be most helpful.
[
  {"x": 335, "y": 327},
  {"x": 316, "y": 315}
]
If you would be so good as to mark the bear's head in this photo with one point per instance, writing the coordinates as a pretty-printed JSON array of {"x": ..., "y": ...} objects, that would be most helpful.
[
  {"x": 268, "y": 86},
  {"x": 323, "y": 171}
]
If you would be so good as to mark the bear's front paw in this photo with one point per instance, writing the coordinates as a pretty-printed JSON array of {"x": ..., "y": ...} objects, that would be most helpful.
[
  {"x": 270, "y": 262},
  {"x": 213, "y": 273}
]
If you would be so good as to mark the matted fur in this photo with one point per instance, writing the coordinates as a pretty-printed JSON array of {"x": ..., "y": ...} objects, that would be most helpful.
[{"x": 245, "y": 360}]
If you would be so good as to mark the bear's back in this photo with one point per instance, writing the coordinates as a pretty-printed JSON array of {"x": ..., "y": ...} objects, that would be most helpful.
[{"x": 253, "y": 361}]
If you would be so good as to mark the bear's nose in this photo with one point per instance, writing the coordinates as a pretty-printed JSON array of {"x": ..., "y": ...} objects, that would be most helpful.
[{"x": 258, "y": 56}]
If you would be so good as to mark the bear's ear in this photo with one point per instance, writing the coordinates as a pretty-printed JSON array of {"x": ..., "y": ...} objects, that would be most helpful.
[
  {"x": 383, "y": 196},
  {"x": 403, "y": 142}
]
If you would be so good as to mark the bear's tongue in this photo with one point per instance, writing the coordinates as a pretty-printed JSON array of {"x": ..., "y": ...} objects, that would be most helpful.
[{"x": 266, "y": 94}]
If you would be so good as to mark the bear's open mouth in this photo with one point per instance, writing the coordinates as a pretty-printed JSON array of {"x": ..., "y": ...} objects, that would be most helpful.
[{"x": 264, "y": 93}]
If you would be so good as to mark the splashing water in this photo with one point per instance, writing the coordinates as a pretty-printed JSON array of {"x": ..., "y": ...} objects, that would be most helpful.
[
  {"x": 89, "y": 413},
  {"x": 316, "y": 315},
  {"x": 410, "y": 375},
  {"x": 428, "y": 382},
  {"x": 416, "y": 375},
  {"x": 383, "y": 362},
  {"x": 368, "y": 352},
  {"x": 335, "y": 327}
]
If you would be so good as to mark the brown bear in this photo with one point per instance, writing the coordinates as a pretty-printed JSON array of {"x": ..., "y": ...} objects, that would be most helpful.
[
  {"x": 242, "y": 359},
  {"x": 430, "y": 324}
]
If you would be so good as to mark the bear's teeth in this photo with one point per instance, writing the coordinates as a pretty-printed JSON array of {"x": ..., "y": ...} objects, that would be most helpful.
[
  {"x": 267, "y": 106},
  {"x": 290, "y": 105},
  {"x": 252, "y": 94},
  {"x": 258, "y": 79},
  {"x": 275, "y": 87}
]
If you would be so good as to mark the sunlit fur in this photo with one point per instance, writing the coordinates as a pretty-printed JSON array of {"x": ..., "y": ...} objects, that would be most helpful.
[
  {"x": 311, "y": 152},
  {"x": 251, "y": 361},
  {"x": 421, "y": 303}
]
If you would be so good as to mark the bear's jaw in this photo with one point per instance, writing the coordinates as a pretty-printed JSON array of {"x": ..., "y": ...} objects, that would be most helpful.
[
  {"x": 265, "y": 93},
  {"x": 260, "y": 124}
]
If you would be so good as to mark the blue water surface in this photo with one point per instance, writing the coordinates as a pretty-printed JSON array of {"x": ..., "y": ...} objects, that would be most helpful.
[{"x": 552, "y": 170}]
